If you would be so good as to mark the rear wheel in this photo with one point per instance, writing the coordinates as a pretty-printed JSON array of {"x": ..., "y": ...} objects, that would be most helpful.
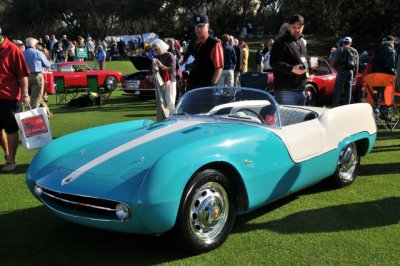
[
  {"x": 110, "y": 84},
  {"x": 347, "y": 166},
  {"x": 207, "y": 212},
  {"x": 311, "y": 95}
]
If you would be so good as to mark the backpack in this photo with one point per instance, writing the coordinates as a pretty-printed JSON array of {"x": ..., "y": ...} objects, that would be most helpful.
[
  {"x": 82, "y": 101},
  {"x": 348, "y": 59}
]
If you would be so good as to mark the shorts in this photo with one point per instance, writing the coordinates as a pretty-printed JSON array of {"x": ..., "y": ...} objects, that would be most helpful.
[{"x": 7, "y": 119}]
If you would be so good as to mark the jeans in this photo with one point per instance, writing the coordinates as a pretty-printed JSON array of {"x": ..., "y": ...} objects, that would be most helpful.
[
  {"x": 290, "y": 97},
  {"x": 344, "y": 80},
  {"x": 227, "y": 78}
]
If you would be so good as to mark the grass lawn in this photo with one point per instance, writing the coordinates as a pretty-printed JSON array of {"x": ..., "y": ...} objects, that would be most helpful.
[{"x": 357, "y": 225}]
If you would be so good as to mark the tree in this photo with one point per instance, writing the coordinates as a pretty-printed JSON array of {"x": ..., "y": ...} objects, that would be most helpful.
[{"x": 173, "y": 18}]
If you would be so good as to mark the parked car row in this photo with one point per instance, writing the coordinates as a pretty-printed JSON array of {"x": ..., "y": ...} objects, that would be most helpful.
[{"x": 319, "y": 86}]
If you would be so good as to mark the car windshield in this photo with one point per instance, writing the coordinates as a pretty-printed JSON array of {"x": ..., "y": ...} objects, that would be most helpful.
[
  {"x": 246, "y": 104},
  {"x": 82, "y": 68}
]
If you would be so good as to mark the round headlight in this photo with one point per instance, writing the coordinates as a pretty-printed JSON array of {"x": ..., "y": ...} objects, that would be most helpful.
[
  {"x": 38, "y": 190},
  {"x": 122, "y": 212}
]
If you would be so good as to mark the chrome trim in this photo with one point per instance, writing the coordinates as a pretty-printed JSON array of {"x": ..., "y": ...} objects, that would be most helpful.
[
  {"x": 81, "y": 217},
  {"x": 71, "y": 214},
  {"x": 78, "y": 203}
]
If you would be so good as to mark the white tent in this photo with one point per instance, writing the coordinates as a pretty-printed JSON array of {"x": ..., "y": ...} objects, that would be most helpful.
[{"x": 147, "y": 38}]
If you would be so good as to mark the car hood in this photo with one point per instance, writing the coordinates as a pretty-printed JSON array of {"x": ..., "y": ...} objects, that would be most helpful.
[
  {"x": 141, "y": 62},
  {"x": 121, "y": 160}
]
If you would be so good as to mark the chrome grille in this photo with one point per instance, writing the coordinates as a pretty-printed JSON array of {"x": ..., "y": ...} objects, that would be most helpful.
[{"x": 80, "y": 206}]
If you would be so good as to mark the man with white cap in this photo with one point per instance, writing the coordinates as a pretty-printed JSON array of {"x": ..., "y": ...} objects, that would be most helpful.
[
  {"x": 346, "y": 64},
  {"x": 37, "y": 62}
]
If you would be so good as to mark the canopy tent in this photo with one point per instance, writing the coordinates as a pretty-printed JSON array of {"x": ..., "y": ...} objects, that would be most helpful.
[{"x": 147, "y": 38}]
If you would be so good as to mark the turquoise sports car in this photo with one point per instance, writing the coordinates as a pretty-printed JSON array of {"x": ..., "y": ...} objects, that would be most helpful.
[{"x": 224, "y": 151}]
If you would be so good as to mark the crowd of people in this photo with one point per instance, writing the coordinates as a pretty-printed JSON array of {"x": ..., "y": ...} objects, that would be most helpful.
[{"x": 204, "y": 61}]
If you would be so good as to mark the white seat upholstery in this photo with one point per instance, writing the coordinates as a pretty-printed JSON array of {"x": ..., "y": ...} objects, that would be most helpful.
[{"x": 293, "y": 115}]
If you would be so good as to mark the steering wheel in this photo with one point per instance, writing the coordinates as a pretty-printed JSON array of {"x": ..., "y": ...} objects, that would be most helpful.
[{"x": 254, "y": 113}]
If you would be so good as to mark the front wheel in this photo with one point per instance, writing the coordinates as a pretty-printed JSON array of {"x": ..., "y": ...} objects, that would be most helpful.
[
  {"x": 207, "y": 212},
  {"x": 347, "y": 166}
]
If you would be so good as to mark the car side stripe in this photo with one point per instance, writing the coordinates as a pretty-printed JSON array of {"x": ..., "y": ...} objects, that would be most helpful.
[{"x": 179, "y": 125}]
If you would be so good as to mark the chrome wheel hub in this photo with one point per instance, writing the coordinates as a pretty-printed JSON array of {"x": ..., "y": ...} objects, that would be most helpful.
[
  {"x": 347, "y": 163},
  {"x": 209, "y": 211}
]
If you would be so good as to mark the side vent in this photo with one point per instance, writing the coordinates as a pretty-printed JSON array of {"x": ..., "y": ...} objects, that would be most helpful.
[
  {"x": 190, "y": 130},
  {"x": 154, "y": 126}
]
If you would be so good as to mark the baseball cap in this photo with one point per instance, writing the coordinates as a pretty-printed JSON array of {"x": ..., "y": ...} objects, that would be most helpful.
[
  {"x": 347, "y": 39},
  {"x": 201, "y": 20},
  {"x": 296, "y": 19},
  {"x": 388, "y": 38}
]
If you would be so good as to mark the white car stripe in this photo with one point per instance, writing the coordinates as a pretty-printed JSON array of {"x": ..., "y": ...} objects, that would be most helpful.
[{"x": 127, "y": 146}]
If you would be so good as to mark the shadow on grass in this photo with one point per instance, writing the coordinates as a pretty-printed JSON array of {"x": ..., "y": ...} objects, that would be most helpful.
[
  {"x": 386, "y": 135},
  {"x": 386, "y": 148},
  {"x": 37, "y": 236},
  {"x": 379, "y": 169},
  {"x": 355, "y": 216},
  {"x": 118, "y": 103}
]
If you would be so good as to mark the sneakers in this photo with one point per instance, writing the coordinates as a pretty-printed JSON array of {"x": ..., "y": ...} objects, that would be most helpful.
[{"x": 8, "y": 167}]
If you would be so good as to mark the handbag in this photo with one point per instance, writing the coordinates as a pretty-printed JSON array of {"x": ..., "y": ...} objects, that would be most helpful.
[{"x": 35, "y": 128}]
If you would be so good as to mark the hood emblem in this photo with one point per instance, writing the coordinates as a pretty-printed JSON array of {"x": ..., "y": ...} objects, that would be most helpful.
[{"x": 67, "y": 180}]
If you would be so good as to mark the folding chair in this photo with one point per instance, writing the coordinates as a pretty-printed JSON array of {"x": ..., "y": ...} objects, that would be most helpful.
[
  {"x": 93, "y": 83},
  {"x": 102, "y": 95},
  {"x": 380, "y": 89},
  {"x": 61, "y": 95},
  {"x": 255, "y": 80}
]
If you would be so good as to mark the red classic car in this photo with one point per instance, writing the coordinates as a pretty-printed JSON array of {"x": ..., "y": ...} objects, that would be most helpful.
[
  {"x": 139, "y": 82},
  {"x": 321, "y": 82},
  {"x": 49, "y": 82},
  {"x": 76, "y": 74}
]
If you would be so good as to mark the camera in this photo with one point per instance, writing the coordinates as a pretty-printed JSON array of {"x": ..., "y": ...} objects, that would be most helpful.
[
  {"x": 186, "y": 74},
  {"x": 188, "y": 68}
]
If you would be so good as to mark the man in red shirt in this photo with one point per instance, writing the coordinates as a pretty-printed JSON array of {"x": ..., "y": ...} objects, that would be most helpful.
[
  {"x": 208, "y": 55},
  {"x": 13, "y": 88}
]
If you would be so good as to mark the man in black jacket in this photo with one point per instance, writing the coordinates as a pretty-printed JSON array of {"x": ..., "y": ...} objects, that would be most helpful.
[
  {"x": 288, "y": 59},
  {"x": 385, "y": 57}
]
